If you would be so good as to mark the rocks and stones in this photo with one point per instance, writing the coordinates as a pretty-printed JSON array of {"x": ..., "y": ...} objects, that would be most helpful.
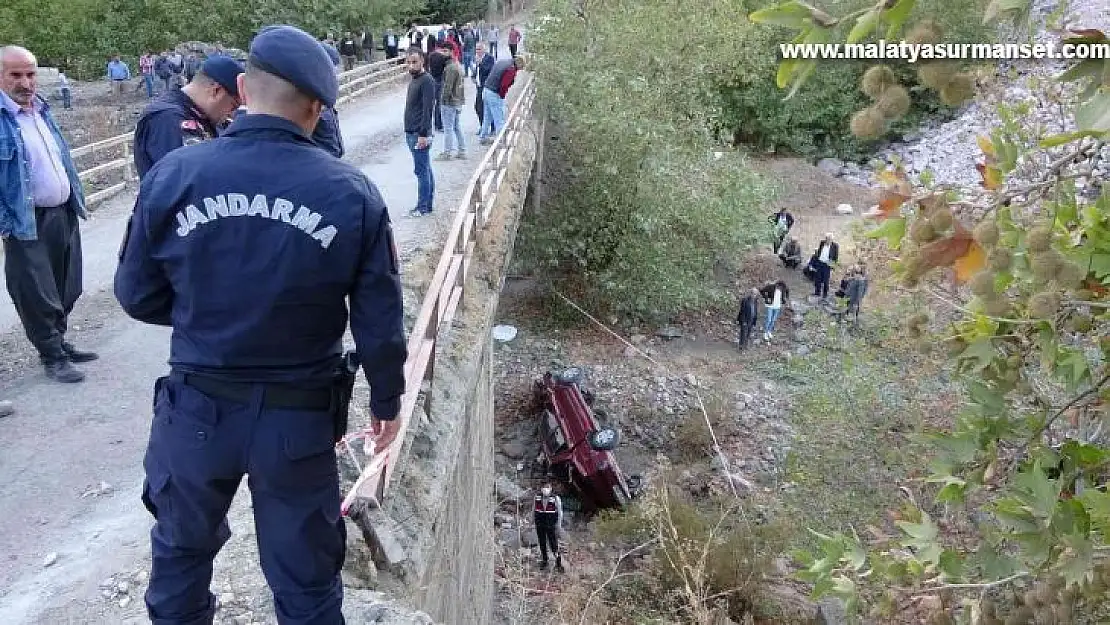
[
  {"x": 831, "y": 166},
  {"x": 100, "y": 489},
  {"x": 514, "y": 450},
  {"x": 7, "y": 408},
  {"x": 691, "y": 380},
  {"x": 504, "y": 333},
  {"x": 50, "y": 559},
  {"x": 125, "y": 601},
  {"x": 844, "y": 209},
  {"x": 506, "y": 489},
  {"x": 831, "y": 611},
  {"x": 669, "y": 332}
]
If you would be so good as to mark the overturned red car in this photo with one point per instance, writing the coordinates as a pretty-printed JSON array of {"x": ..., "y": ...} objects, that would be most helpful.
[{"x": 577, "y": 449}]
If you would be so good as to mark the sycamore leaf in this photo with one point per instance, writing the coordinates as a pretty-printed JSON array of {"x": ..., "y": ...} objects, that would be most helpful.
[
  {"x": 945, "y": 252},
  {"x": 1071, "y": 366},
  {"x": 896, "y": 189},
  {"x": 981, "y": 353},
  {"x": 864, "y": 25},
  {"x": 970, "y": 263},
  {"x": 1094, "y": 114},
  {"x": 788, "y": 14},
  {"x": 992, "y": 563},
  {"x": 986, "y": 145},
  {"x": 1090, "y": 35},
  {"x": 1039, "y": 493},
  {"x": 991, "y": 176},
  {"x": 1097, "y": 504},
  {"x": 892, "y": 230},
  {"x": 896, "y": 16},
  {"x": 1077, "y": 562}
]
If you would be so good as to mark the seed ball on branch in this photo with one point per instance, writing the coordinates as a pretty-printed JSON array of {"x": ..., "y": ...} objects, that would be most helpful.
[
  {"x": 1044, "y": 305},
  {"x": 868, "y": 123},
  {"x": 1069, "y": 274},
  {"x": 982, "y": 284},
  {"x": 955, "y": 346},
  {"x": 942, "y": 219},
  {"x": 1039, "y": 238},
  {"x": 937, "y": 74},
  {"x": 894, "y": 103},
  {"x": 996, "y": 307},
  {"x": 1000, "y": 259},
  {"x": 959, "y": 89},
  {"x": 1080, "y": 323},
  {"x": 922, "y": 231},
  {"x": 1045, "y": 265},
  {"x": 925, "y": 31},
  {"x": 986, "y": 234},
  {"x": 876, "y": 80}
]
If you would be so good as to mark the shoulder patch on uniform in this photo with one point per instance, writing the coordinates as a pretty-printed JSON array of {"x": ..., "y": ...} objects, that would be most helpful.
[{"x": 189, "y": 124}]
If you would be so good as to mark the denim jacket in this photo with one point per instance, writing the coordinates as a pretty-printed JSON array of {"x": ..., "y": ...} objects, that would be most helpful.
[{"x": 17, "y": 207}]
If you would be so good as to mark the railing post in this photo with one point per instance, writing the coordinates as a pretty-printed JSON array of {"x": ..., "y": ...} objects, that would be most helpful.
[{"x": 127, "y": 174}]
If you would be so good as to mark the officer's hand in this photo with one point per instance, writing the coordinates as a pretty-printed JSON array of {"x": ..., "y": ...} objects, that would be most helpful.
[
  {"x": 384, "y": 432},
  {"x": 421, "y": 143}
]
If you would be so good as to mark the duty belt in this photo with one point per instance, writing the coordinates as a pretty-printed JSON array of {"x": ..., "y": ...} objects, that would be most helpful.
[{"x": 273, "y": 395}]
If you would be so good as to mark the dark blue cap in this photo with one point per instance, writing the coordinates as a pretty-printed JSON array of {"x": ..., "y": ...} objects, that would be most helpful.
[
  {"x": 333, "y": 54},
  {"x": 224, "y": 70},
  {"x": 290, "y": 53}
]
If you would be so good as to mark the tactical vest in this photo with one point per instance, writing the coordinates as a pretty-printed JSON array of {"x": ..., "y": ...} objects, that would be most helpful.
[{"x": 546, "y": 510}]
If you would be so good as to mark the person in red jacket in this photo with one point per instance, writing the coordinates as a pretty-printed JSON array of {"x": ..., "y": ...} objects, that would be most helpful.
[{"x": 494, "y": 91}]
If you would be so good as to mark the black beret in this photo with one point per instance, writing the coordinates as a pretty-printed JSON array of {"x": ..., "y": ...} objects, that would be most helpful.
[
  {"x": 292, "y": 54},
  {"x": 224, "y": 70}
]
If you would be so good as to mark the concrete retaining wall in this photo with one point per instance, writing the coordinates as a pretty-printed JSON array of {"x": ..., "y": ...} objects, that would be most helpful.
[{"x": 434, "y": 539}]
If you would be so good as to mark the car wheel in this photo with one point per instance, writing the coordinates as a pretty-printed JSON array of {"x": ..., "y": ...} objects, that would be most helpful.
[{"x": 604, "y": 439}]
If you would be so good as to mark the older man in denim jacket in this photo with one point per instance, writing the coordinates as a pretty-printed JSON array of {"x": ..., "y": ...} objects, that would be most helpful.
[{"x": 40, "y": 201}]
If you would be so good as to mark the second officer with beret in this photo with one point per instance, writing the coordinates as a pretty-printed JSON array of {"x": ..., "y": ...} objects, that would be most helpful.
[
  {"x": 250, "y": 246},
  {"x": 187, "y": 115}
]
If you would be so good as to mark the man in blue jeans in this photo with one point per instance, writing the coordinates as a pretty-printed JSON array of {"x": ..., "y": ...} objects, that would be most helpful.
[{"x": 419, "y": 109}]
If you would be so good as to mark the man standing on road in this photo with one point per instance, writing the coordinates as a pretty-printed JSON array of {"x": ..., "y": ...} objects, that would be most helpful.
[
  {"x": 250, "y": 246},
  {"x": 484, "y": 66},
  {"x": 40, "y": 201},
  {"x": 514, "y": 40},
  {"x": 469, "y": 43},
  {"x": 349, "y": 50},
  {"x": 492, "y": 37},
  {"x": 748, "y": 316},
  {"x": 494, "y": 91},
  {"x": 419, "y": 106},
  {"x": 437, "y": 62},
  {"x": 453, "y": 97},
  {"x": 389, "y": 42},
  {"x": 547, "y": 514},
  {"x": 188, "y": 115}
]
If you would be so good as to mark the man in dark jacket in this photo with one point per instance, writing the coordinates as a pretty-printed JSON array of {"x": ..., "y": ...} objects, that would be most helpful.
[
  {"x": 483, "y": 66},
  {"x": 348, "y": 49},
  {"x": 437, "y": 62},
  {"x": 749, "y": 316},
  {"x": 823, "y": 259},
  {"x": 494, "y": 91},
  {"x": 418, "y": 129}
]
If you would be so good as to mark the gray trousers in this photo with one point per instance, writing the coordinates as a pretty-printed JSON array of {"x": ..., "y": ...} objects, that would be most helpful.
[{"x": 44, "y": 278}]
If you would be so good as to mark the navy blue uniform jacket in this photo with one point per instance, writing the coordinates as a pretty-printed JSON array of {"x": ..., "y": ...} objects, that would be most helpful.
[
  {"x": 169, "y": 122},
  {"x": 249, "y": 246},
  {"x": 326, "y": 134}
]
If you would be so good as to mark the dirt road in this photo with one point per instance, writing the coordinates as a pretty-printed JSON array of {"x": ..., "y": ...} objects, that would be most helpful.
[{"x": 73, "y": 531}]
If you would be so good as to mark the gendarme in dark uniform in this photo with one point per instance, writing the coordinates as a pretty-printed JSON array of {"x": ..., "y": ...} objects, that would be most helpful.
[
  {"x": 188, "y": 115},
  {"x": 327, "y": 134},
  {"x": 249, "y": 246}
]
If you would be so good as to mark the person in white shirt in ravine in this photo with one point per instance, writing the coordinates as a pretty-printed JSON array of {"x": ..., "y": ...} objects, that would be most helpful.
[
  {"x": 775, "y": 296},
  {"x": 825, "y": 257}
]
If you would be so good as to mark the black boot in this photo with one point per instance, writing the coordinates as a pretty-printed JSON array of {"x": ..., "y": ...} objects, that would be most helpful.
[
  {"x": 543, "y": 564},
  {"x": 559, "y": 564},
  {"x": 78, "y": 356},
  {"x": 60, "y": 370}
]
